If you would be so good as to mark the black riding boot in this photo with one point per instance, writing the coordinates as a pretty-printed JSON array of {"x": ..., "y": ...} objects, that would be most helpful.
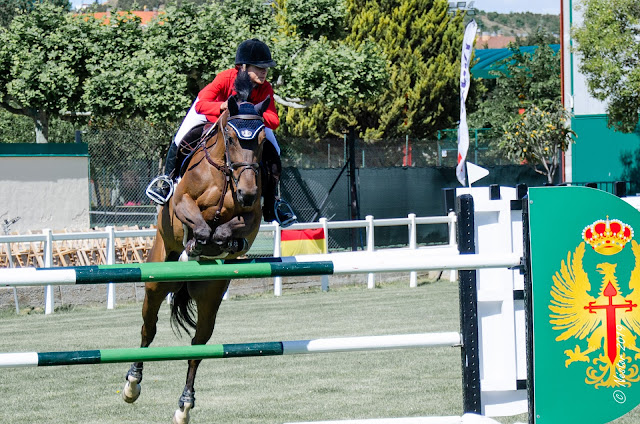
[
  {"x": 272, "y": 167},
  {"x": 161, "y": 187}
]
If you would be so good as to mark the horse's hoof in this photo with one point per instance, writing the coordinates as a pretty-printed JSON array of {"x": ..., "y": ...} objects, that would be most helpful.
[
  {"x": 131, "y": 391},
  {"x": 181, "y": 416},
  {"x": 193, "y": 249}
]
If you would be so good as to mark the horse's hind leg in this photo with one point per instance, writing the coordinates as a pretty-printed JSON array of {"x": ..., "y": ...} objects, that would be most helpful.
[
  {"x": 208, "y": 298},
  {"x": 155, "y": 293}
]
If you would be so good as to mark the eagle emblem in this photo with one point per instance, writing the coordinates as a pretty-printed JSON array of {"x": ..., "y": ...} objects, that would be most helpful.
[{"x": 608, "y": 321}]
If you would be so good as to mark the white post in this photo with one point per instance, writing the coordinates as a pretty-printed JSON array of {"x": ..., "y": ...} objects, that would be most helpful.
[
  {"x": 413, "y": 231},
  {"x": 371, "y": 277},
  {"x": 325, "y": 229},
  {"x": 277, "y": 252},
  {"x": 11, "y": 265},
  {"x": 48, "y": 263},
  {"x": 111, "y": 259},
  {"x": 453, "y": 220}
]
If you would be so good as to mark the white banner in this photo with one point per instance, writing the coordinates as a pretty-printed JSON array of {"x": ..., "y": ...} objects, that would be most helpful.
[{"x": 465, "y": 82}]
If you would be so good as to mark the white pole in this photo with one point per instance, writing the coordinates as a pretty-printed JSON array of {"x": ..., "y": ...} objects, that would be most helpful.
[
  {"x": 453, "y": 274},
  {"x": 111, "y": 259},
  {"x": 48, "y": 263},
  {"x": 277, "y": 252},
  {"x": 11, "y": 265},
  {"x": 371, "y": 277},
  {"x": 413, "y": 235},
  {"x": 325, "y": 229},
  {"x": 351, "y": 344}
]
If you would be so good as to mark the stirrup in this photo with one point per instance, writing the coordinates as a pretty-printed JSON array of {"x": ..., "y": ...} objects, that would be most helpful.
[
  {"x": 284, "y": 213},
  {"x": 161, "y": 182}
]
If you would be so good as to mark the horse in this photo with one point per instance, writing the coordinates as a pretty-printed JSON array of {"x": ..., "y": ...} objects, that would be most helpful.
[{"x": 215, "y": 212}]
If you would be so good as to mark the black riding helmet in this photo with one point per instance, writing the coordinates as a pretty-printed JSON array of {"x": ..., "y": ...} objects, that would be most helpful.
[{"x": 254, "y": 52}]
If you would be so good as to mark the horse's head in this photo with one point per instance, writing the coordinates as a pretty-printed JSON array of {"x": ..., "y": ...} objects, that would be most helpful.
[{"x": 243, "y": 130}]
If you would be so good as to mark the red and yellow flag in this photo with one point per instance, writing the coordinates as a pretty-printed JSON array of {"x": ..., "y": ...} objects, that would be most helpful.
[{"x": 302, "y": 242}]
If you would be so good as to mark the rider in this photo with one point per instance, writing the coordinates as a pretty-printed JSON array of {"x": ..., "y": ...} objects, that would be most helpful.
[{"x": 254, "y": 57}]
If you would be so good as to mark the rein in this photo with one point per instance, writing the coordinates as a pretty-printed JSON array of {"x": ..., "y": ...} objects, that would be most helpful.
[{"x": 228, "y": 167}]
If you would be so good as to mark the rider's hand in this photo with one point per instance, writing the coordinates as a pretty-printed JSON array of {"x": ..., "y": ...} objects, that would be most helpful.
[{"x": 223, "y": 107}]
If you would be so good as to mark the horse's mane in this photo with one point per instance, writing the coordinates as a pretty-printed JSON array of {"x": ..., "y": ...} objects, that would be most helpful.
[{"x": 243, "y": 86}]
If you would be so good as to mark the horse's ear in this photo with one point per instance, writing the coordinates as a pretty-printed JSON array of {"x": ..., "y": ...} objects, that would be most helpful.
[
  {"x": 232, "y": 106},
  {"x": 262, "y": 106}
]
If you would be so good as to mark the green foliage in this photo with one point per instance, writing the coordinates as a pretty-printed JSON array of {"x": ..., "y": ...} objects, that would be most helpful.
[
  {"x": 332, "y": 74},
  {"x": 422, "y": 43},
  {"x": 42, "y": 64},
  {"x": 11, "y": 8},
  {"x": 537, "y": 137},
  {"x": 608, "y": 42},
  {"x": 527, "y": 79},
  {"x": 315, "y": 18}
]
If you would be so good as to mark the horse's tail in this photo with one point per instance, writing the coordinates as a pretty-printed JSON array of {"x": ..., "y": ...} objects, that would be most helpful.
[{"x": 182, "y": 311}]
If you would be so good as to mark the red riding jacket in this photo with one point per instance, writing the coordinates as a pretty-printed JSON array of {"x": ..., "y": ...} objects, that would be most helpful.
[{"x": 221, "y": 88}]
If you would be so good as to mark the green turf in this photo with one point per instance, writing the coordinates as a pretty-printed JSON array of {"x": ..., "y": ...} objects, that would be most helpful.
[{"x": 265, "y": 390}]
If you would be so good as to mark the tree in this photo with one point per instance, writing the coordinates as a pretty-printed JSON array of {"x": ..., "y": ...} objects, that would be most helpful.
[
  {"x": 417, "y": 75},
  {"x": 42, "y": 65},
  {"x": 10, "y": 8},
  {"x": 422, "y": 43},
  {"x": 524, "y": 79},
  {"x": 537, "y": 137},
  {"x": 609, "y": 41},
  {"x": 55, "y": 64}
]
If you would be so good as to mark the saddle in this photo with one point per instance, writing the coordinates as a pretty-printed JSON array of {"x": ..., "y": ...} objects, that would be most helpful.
[{"x": 199, "y": 134}]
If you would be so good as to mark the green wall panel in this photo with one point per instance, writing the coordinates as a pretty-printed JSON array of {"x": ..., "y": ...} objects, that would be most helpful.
[{"x": 596, "y": 153}]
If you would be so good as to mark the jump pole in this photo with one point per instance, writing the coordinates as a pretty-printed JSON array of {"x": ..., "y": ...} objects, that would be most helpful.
[
  {"x": 295, "y": 347},
  {"x": 391, "y": 260}
]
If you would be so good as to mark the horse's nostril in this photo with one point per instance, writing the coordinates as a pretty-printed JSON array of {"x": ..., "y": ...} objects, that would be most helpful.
[{"x": 248, "y": 199}]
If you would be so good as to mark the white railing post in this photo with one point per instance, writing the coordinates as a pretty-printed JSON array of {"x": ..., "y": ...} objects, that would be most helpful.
[
  {"x": 325, "y": 228},
  {"x": 453, "y": 222},
  {"x": 48, "y": 263},
  {"x": 111, "y": 259},
  {"x": 277, "y": 252},
  {"x": 11, "y": 265},
  {"x": 371, "y": 277},
  {"x": 413, "y": 235}
]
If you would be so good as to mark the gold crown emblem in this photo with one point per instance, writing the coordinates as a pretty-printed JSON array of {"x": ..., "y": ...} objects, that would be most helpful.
[{"x": 607, "y": 237}]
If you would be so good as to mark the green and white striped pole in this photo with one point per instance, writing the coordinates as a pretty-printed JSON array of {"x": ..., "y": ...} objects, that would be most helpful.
[
  {"x": 394, "y": 260},
  {"x": 295, "y": 347}
]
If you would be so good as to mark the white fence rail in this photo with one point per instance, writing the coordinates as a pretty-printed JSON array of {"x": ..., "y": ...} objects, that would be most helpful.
[{"x": 110, "y": 235}]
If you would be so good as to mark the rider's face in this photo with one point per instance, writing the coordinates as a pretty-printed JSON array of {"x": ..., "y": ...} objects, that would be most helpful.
[{"x": 257, "y": 75}]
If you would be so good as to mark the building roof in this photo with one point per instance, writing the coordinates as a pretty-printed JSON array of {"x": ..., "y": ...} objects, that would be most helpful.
[
  {"x": 487, "y": 60},
  {"x": 494, "y": 41},
  {"x": 144, "y": 16}
]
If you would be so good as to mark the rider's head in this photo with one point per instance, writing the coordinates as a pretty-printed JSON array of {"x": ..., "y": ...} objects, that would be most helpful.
[{"x": 255, "y": 57}]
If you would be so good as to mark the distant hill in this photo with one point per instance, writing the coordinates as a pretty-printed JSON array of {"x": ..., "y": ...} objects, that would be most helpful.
[{"x": 517, "y": 24}]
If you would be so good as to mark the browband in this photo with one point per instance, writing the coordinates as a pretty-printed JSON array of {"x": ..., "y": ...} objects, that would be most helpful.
[{"x": 247, "y": 117}]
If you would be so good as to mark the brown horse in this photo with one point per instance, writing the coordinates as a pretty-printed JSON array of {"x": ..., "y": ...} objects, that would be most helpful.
[{"x": 215, "y": 212}]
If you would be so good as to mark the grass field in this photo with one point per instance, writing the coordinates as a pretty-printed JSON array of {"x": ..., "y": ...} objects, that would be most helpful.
[{"x": 418, "y": 382}]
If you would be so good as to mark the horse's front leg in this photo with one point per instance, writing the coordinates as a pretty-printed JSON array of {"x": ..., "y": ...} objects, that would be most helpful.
[
  {"x": 155, "y": 293},
  {"x": 188, "y": 212},
  {"x": 208, "y": 298},
  {"x": 231, "y": 236}
]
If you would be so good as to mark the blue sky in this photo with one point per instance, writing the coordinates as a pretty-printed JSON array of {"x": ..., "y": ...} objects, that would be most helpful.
[{"x": 506, "y": 6}]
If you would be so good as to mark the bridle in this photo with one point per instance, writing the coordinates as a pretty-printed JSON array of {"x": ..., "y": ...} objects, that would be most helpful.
[{"x": 229, "y": 167}]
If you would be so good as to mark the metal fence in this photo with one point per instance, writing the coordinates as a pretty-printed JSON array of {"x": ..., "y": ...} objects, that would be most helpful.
[{"x": 124, "y": 160}]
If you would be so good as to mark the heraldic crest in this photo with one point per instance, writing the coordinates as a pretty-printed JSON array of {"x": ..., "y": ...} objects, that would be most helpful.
[{"x": 607, "y": 324}]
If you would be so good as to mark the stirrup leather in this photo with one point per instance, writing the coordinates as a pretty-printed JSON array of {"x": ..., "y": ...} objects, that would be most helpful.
[
  {"x": 284, "y": 213},
  {"x": 161, "y": 182}
]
